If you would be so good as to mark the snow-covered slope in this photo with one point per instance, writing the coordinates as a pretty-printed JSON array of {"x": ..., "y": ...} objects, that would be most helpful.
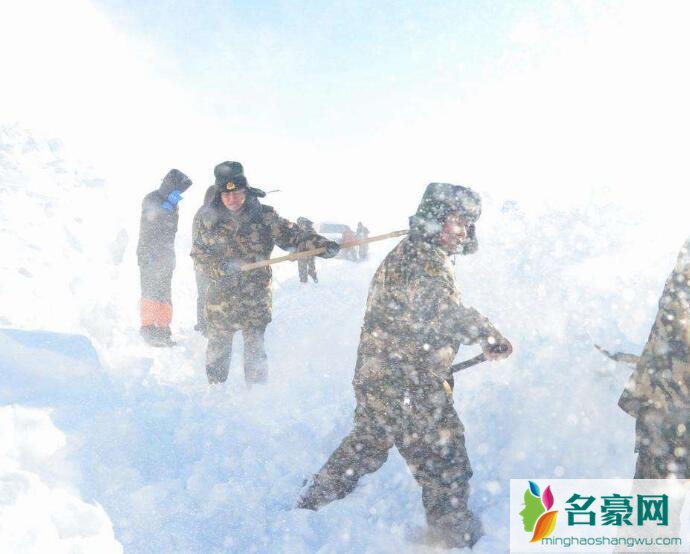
[{"x": 60, "y": 235}]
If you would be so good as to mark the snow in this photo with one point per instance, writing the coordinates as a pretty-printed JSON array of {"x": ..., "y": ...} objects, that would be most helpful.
[
  {"x": 38, "y": 511},
  {"x": 569, "y": 118},
  {"x": 109, "y": 445}
]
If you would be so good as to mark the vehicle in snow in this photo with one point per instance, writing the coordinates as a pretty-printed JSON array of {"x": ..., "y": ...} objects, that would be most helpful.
[{"x": 340, "y": 232}]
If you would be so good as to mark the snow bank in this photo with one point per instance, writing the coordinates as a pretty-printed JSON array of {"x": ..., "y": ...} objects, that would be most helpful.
[
  {"x": 60, "y": 234},
  {"x": 38, "y": 514}
]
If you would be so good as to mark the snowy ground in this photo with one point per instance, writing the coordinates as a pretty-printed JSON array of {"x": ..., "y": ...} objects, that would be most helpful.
[{"x": 114, "y": 446}]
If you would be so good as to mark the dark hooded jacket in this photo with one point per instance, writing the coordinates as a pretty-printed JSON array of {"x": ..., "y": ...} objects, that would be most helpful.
[{"x": 159, "y": 223}]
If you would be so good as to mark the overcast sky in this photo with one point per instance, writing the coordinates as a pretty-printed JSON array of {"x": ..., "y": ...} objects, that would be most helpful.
[{"x": 351, "y": 107}]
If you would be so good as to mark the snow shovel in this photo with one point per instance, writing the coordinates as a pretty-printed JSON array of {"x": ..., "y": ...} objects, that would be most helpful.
[
  {"x": 624, "y": 357},
  {"x": 478, "y": 359}
]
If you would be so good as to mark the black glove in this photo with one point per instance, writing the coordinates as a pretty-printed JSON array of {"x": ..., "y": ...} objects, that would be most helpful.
[
  {"x": 500, "y": 348},
  {"x": 332, "y": 248}
]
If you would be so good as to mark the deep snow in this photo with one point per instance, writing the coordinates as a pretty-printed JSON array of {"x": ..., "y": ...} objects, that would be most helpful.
[{"x": 113, "y": 443}]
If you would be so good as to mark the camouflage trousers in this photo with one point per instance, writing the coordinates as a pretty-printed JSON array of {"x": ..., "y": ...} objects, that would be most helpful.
[
  {"x": 202, "y": 283},
  {"x": 663, "y": 445},
  {"x": 307, "y": 268},
  {"x": 219, "y": 351},
  {"x": 425, "y": 428}
]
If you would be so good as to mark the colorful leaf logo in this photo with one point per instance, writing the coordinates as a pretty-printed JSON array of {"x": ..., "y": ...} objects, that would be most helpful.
[
  {"x": 536, "y": 517},
  {"x": 547, "y": 498},
  {"x": 545, "y": 526}
]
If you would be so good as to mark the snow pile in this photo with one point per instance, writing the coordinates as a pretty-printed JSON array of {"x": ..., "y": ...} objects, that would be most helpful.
[
  {"x": 59, "y": 233},
  {"x": 38, "y": 514}
]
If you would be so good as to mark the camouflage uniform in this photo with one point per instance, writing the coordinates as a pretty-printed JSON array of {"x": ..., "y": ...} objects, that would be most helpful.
[
  {"x": 413, "y": 326},
  {"x": 201, "y": 280},
  {"x": 658, "y": 392},
  {"x": 306, "y": 267},
  {"x": 241, "y": 301}
]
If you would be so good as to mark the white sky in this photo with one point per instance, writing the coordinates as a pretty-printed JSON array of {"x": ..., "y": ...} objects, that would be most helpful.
[{"x": 350, "y": 110}]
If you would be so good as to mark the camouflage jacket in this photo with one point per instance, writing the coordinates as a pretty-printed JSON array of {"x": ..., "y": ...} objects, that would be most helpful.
[
  {"x": 240, "y": 300},
  {"x": 414, "y": 321},
  {"x": 208, "y": 199},
  {"x": 661, "y": 380}
]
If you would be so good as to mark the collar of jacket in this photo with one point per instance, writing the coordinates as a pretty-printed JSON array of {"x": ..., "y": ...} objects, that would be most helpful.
[
  {"x": 425, "y": 241},
  {"x": 251, "y": 211}
]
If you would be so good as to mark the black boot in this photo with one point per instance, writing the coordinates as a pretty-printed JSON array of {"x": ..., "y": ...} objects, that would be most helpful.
[
  {"x": 317, "y": 492},
  {"x": 156, "y": 336},
  {"x": 151, "y": 334},
  {"x": 166, "y": 337},
  {"x": 456, "y": 530}
]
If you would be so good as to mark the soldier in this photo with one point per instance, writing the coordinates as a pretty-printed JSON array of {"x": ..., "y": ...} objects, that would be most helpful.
[
  {"x": 156, "y": 256},
  {"x": 658, "y": 392},
  {"x": 413, "y": 326},
  {"x": 306, "y": 267},
  {"x": 362, "y": 234},
  {"x": 201, "y": 279},
  {"x": 234, "y": 230}
]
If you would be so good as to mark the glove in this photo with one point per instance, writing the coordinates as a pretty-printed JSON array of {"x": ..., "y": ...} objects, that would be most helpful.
[
  {"x": 497, "y": 349},
  {"x": 232, "y": 267},
  {"x": 332, "y": 248},
  {"x": 172, "y": 200}
]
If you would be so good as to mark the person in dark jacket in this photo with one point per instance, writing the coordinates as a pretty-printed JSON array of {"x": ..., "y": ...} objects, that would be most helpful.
[
  {"x": 201, "y": 279},
  {"x": 306, "y": 267},
  {"x": 156, "y": 256}
]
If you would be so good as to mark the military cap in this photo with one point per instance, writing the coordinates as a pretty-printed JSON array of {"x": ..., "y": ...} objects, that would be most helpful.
[
  {"x": 443, "y": 199},
  {"x": 227, "y": 172},
  {"x": 230, "y": 177}
]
